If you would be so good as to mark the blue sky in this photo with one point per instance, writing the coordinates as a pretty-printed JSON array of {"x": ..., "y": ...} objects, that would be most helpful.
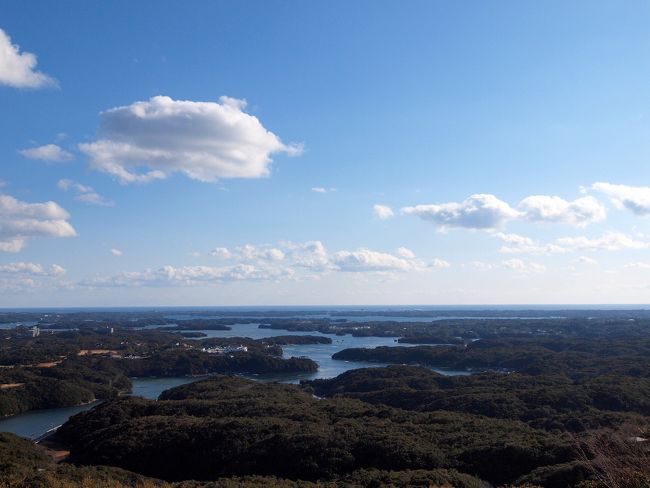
[{"x": 506, "y": 143}]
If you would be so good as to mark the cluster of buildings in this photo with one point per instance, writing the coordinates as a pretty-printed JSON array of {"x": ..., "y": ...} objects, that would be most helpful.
[{"x": 224, "y": 349}]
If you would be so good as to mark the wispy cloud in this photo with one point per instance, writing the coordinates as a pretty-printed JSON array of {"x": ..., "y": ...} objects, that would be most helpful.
[
  {"x": 85, "y": 193},
  {"x": 48, "y": 152},
  {"x": 522, "y": 266},
  {"x": 285, "y": 261},
  {"x": 609, "y": 241}
]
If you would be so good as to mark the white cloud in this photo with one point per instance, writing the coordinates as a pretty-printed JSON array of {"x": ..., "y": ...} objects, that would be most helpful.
[
  {"x": 319, "y": 189},
  {"x": 634, "y": 198},
  {"x": 117, "y": 252},
  {"x": 85, "y": 193},
  {"x": 515, "y": 243},
  {"x": 273, "y": 254},
  {"x": 221, "y": 252},
  {"x": 405, "y": 252},
  {"x": 524, "y": 266},
  {"x": 515, "y": 240},
  {"x": 57, "y": 270},
  {"x": 367, "y": 260},
  {"x": 94, "y": 198},
  {"x": 487, "y": 212},
  {"x": 287, "y": 261},
  {"x": 480, "y": 211},
  {"x": 48, "y": 152},
  {"x": 610, "y": 241},
  {"x": 518, "y": 265},
  {"x": 252, "y": 253},
  {"x": 440, "y": 264},
  {"x": 383, "y": 211},
  {"x": 579, "y": 212},
  {"x": 479, "y": 265},
  {"x": 189, "y": 275},
  {"x": 22, "y": 221},
  {"x": 25, "y": 277},
  {"x": 206, "y": 141},
  {"x": 638, "y": 265},
  {"x": 311, "y": 255},
  {"x": 27, "y": 268},
  {"x": 585, "y": 260},
  {"x": 19, "y": 69}
]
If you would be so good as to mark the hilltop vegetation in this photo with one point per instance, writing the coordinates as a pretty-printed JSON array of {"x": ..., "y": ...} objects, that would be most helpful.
[
  {"x": 552, "y": 403},
  {"x": 26, "y": 465},
  {"x": 228, "y": 426}
]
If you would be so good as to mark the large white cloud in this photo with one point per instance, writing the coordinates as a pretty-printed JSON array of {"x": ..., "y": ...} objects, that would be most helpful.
[
  {"x": 19, "y": 69},
  {"x": 206, "y": 141},
  {"x": 487, "y": 212},
  {"x": 480, "y": 211},
  {"x": 634, "y": 198},
  {"x": 364, "y": 259},
  {"x": 48, "y": 152},
  {"x": 579, "y": 212},
  {"x": 22, "y": 221}
]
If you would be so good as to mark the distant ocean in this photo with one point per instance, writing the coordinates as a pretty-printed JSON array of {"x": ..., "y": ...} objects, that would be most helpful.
[{"x": 335, "y": 308}]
